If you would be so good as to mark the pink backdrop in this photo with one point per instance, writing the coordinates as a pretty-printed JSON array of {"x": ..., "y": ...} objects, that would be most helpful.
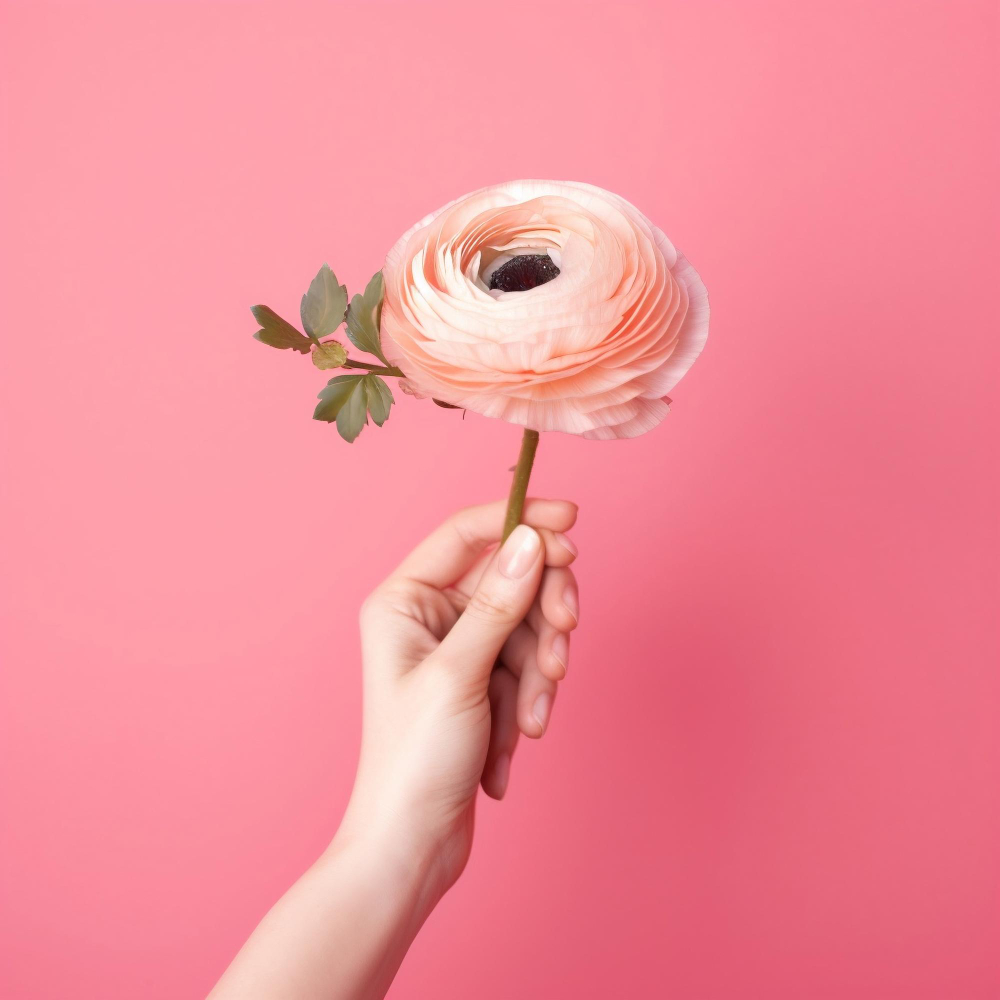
[{"x": 773, "y": 769}]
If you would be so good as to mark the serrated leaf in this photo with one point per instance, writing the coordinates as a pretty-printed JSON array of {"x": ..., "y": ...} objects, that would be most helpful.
[
  {"x": 277, "y": 332},
  {"x": 353, "y": 414},
  {"x": 324, "y": 305},
  {"x": 379, "y": 398},
  {"x": 329, "y": 355},
  {"x": 364, "y": 318},
  {"x": 338, "y": 390}
]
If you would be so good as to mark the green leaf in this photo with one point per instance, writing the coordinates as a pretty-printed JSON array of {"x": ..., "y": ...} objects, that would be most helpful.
[
  {"x": 338, "y": 390},
  {"x": 379, "y": 398},
  {"x": 324, "y": 305},
  {"x": 353, "y": 414},
  {"x": 364, "y": 319},
  {"x": 348, "y": 399},
  {"x": 277, "y": 332},
  {"x": 329, "y": 355}
]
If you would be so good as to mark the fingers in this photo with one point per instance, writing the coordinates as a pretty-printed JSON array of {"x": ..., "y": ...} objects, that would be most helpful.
[
  {"x": 505, "y": 592},
  {"x": 453, "y": 548},
  {"x": 555, "y": 614},
  {"x": 559, "y": 549},
  {"x": 559, "y": 599},
  {"x": 537, "y": 653},
  {"x": 524, "y": 656},
  {"x": 520, "y": 650},
  {"x": 535, "y": 695},
  {"x": 552, "y": 648},
  {"x": 503, "y": 732},
  {"x": 542, "y": 643},
  {"x": 559, "y": 552}
]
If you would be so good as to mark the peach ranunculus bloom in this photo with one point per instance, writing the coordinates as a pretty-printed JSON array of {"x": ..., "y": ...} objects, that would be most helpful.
[{"x": 587, "y": 333}]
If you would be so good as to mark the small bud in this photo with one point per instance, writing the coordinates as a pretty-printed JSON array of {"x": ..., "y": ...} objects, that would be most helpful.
[{"x": 329, "y": 355}]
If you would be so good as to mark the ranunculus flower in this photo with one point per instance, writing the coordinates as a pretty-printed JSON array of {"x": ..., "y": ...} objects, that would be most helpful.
[{"x": 550, "y": 304}]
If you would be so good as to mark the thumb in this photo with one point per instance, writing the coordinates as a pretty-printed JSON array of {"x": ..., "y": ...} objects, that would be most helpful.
[{"x": 501, "y": 600}]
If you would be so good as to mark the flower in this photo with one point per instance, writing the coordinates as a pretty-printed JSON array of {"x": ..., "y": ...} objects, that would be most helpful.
[{"x": 550, "y": 304}]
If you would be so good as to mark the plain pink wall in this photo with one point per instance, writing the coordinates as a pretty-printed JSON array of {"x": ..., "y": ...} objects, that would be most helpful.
[{"x": 773, "y": 770}]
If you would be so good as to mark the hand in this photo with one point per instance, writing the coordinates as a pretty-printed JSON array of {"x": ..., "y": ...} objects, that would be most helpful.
[{"x": 463, "y": 647}]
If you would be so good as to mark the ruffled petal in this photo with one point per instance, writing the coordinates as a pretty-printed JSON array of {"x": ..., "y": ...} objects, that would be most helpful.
[{"x": 591, "y": 352}]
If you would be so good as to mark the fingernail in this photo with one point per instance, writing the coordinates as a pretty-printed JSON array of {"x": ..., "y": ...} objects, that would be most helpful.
[
  {"x": 501, "y": 774},
  {"x": 519, "y": 552},
  {"x": 572, "y": 602},
  {"x": 543, "y": 705},
  {"x": 560, "y": 650},
  {"x": 565, "y": 542}
]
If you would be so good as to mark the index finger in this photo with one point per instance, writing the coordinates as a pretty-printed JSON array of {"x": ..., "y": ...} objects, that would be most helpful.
[{"x": 453, "y": 548}]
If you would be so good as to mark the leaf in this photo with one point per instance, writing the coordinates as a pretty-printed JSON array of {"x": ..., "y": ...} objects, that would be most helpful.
[
  {"x": 353, "y": 414},
  {"x": 338, "y": 390},
  {"x": 329, "y": 355},
  {"x": 379, "y": 398},
  {"x": 348, "y": 399},
  {"x": 324, "y": 305},
  {"x": 277, "y": 332},
  {"x": 364, "y": 319}
]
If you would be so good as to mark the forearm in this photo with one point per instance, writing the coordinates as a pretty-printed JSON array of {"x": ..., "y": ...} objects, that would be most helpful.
[{"x": 339, "y": 933}]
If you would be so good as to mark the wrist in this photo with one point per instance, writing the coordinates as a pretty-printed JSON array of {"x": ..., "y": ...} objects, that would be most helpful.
[{"x": 404, "y": 866}]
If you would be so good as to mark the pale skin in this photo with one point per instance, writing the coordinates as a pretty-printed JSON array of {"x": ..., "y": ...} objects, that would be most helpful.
[{"x": 463, "y": 648}]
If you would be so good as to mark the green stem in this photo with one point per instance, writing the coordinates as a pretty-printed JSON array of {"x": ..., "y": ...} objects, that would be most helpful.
[
  {"x": 378, "y": 369},
  {"x": 519, "y": 486}
]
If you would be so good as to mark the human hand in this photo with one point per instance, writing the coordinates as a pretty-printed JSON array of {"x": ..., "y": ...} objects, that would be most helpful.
[{"x": 463, "y": 647}]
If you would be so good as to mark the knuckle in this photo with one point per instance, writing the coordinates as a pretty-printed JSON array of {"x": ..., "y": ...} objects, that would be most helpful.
[
  {"x": 380, "y": 601},
  {"x": 372, "y": 608},
  {"x": 491, "y": 608},
  {"x": 394, "y": 596},
  {"x": 459, "y": 524}
]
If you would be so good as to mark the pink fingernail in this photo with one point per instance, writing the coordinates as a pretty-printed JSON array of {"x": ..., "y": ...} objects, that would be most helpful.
[
  {"x": 572, "y": 602},
  {"x": 560, "y": 650},
  {"x": 565, "y": 542},
  {"x": 543, "y": 705},
  {"x": 519, "y": 552}
]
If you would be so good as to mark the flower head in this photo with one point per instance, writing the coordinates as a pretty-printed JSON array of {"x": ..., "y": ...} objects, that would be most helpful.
[{"x": 550, "y": 304}]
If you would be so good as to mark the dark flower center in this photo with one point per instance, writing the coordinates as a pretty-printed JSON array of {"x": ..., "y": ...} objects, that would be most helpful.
[{"x": 524, "y": 272}]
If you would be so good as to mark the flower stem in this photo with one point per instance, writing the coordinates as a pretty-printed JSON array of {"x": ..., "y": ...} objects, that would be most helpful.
[
  {"x": 378, "y": 369},
  {"x": 519, "y": 486}
]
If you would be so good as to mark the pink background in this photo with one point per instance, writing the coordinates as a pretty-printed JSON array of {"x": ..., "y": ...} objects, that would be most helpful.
[{"x": 773, "y": 770}]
